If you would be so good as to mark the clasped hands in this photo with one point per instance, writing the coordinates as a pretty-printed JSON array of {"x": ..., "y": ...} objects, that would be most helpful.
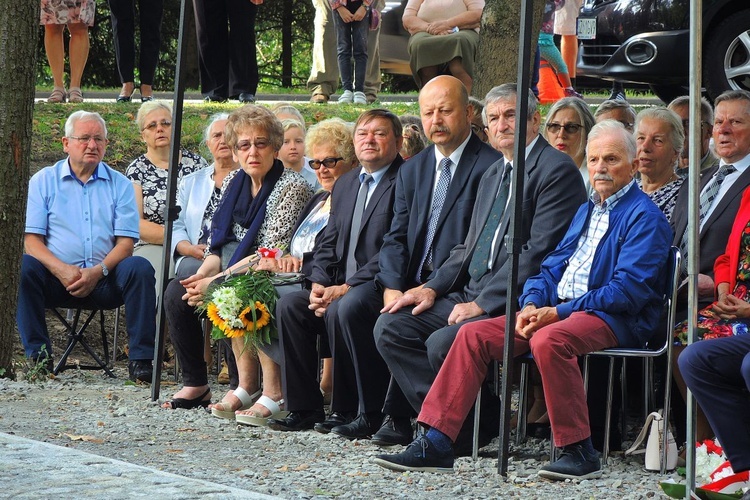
[
  {"x": 322, "y": 296},
  {"x": 348, "y": 17},
  {"x": 79, "y": 281},
  {"x": 729, "y": 307},
  {"x": 531, "y": 319},
  {"x": 440, "y": 28},
  {"x": 195, "y": 288}
]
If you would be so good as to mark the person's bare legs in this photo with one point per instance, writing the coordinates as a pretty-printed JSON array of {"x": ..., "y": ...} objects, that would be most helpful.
[
  {"x": 456, "y": 68},
  {"x": 247, "y": 369},
  {"x": 326, "y": 377},
  {"x": 271, "y": 385},
  {"x": 55, "y": 49},
  {"x": 569, "y": 51},
  {"x": 703, "y": 429},
  {"x": 79, "y": 52},
  {"x": 427, "y": 73}
]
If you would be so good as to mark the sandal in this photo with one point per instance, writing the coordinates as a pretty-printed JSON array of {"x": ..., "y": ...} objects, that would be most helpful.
[
  {"x": 57, "y": 95},
  {"x": 224, "y": 408},
  {"x": 189, "y": 404},
  {"x": 252, "y": 417},
  {"x": 75, "y": 95}
]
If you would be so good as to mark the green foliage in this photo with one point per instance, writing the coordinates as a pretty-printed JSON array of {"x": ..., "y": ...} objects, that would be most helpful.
[
  {"x": 38, "y": 372},
  {"x": 101, "y": 70}
]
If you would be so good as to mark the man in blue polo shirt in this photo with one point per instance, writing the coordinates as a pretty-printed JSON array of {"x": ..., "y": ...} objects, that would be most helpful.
[{"x": 81, "y": 224}]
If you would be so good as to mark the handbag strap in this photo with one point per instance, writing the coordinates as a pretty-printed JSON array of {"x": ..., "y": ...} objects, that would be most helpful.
[{"x": 655, "y": 415}]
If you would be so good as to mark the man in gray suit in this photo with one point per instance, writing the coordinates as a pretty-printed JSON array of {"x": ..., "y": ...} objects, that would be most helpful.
[
  {"x": 435, "y": 193},
  {"x": 419, "y": 327}
]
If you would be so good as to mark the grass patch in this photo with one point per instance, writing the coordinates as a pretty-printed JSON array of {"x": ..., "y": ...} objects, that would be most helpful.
[{"x": 125, "y": 139}]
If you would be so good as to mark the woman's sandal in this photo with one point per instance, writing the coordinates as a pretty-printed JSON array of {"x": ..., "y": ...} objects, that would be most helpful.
[
  {"x": 189, "y": 404},
  {"x": 57, "y": 95},
  {"x": 75, "y": 95},
  {"x": 254, "y": 419},
  {"x": 224, "y": 409}
]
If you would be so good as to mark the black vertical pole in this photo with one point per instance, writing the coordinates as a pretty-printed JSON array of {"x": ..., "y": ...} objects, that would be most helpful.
[
  {"x": 172, "y": 210},
  {"x": 513, "y": 240}
]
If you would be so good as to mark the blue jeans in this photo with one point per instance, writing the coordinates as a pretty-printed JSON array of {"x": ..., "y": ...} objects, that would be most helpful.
[
  {"x": 352, "y": 42},
  {"x": 130, "y": 283}
]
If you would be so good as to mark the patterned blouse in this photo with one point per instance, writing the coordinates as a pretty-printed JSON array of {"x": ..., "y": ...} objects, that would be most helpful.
[
  {"x": 287, "y": 199},
  {"x": 153, "y": 182},
  {"x": 665, "y": 197}
]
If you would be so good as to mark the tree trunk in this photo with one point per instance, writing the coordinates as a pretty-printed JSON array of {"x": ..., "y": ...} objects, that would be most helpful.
[
  {"x": 19, "y": 21},
  {"x": 497, "y": 56}
]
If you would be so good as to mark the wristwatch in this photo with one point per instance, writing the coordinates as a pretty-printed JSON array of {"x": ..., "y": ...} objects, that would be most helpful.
[{"x": 105, "y": 269}]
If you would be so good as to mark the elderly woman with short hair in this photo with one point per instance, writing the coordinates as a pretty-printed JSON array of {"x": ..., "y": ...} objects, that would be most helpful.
[
  {"x": 660, "y": 138},
  {"x": 149, "y": 173},
  {"x": 258, "y": 209},
  {"x": 198, "y": 196}
]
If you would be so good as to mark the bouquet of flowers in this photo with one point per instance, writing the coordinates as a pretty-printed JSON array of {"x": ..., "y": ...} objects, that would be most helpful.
[
  {"x": 242, "y": 305},
  {"x": 714, "y": 476}
]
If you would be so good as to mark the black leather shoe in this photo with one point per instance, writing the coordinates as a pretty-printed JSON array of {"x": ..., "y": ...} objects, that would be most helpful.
[
  {"x": 297, "y": 421},
  {"x": 395, "y": 430},
  {"x": 215, "y": 98},
  {"x": 140, "y": 370},
  {"x": 246, "y": 97},
  {"x": 333, "y": 420},
  {"x": 362, "y": 427}
]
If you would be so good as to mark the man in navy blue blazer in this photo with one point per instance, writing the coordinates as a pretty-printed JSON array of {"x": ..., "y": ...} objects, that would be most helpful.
[
  {"x": 345, "y": 261},
  {"x": 435, "y": 195}
]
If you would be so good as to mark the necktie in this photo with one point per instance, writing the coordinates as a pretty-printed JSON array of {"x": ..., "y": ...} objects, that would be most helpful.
[
  {"x": 438, "y": 199},
  {"x": 707, "y": 197},
  {"x": 480, "y": 260},
  {"x": 359, "y": 210}
]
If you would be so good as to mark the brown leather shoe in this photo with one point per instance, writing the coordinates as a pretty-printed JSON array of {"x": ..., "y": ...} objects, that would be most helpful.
[{"x": 319, "y": 99}]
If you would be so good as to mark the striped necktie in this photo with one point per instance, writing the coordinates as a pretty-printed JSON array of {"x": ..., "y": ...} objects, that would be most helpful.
[
  {"x": 359, "y": 211},
  {"x": 438, "y": 199}
]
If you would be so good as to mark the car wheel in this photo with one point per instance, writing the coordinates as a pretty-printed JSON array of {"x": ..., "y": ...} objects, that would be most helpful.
[
  {"x": 667, "y": 93},
  {"x": 727, "y": 55}
]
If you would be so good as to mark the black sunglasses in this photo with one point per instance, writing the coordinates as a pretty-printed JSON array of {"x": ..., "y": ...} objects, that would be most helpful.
[
  {"x": 570, "y": 128},
  {"x": 329, "y": 162}
]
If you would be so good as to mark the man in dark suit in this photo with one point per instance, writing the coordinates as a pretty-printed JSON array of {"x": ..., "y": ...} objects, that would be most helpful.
[
  {"x": 361, "y": 213},
  {"x": 731, "y": 133},
  {"x": 435, "y": 194},
  {"x": 419, "y": 327}
]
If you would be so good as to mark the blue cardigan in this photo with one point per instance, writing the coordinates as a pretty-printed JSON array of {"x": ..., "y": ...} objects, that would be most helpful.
[{"x": 628, "y": 275}]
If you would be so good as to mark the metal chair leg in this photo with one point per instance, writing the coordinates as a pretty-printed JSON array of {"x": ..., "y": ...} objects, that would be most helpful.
[
  {"x": 475, "y": 434},
  {"x": 608, "y": 413},
  {"x": 523, "y": 402}
]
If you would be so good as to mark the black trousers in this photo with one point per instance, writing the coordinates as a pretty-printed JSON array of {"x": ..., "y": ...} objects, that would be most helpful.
[
  {"x": 123, "y": 29},
  {"x": 186, "y": 334},
  {"x": 226, "y": 46},
  {"x": 299, "y": 330}
]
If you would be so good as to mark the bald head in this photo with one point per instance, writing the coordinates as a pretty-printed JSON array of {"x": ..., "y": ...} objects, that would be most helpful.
[{"x": 445, "y": 112}]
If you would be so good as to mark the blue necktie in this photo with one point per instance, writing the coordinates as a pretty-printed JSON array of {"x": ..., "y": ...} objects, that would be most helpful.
[
  {"x": 359, "y": 210},
  {"x": 479, "y": 264},
  {"x": 438, "y": 199}
]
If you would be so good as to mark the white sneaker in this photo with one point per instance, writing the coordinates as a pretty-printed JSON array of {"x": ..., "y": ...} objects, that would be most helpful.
[
  {"x": 346, "y": 97},
  {"x": 360, "y": 98}
]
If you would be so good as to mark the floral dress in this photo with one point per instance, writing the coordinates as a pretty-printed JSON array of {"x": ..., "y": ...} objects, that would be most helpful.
[
  {"x": 709, "y": 325},
  {"x": 665, "y": 197},
  {"x": 67, "y": 12},
  {"x": 153, "y": 182}
]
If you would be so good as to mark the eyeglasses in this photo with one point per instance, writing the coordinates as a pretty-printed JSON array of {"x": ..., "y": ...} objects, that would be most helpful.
[
  {"x": 570, "y": 128},
  {"x": 686, "y": 124},
  {"x": 85, "y": 139},
  {"x": 153, "y": 125},
  {"x": 329, "y": 162},
  {"x": 245, "y": 146}
]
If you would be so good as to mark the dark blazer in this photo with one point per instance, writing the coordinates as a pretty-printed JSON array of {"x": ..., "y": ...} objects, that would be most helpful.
[
  {"x": 329, "y": 261},
  {"x": 713, "y": 237},
  {"x": 553, "y": 190},
  {"x": 403, "y": 246},
  {"x": 307, "y": 257}
]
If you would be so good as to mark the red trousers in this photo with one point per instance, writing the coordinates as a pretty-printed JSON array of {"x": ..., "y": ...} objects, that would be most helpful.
[{"x": 555, "y": 348}]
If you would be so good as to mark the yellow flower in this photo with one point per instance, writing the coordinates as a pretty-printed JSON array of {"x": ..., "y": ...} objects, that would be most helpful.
[
  {"x": 213, "y": 314},
  {"x": 263, "y": 317}
]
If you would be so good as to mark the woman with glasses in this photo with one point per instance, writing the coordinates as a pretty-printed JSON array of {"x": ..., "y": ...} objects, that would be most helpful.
[
  {"x": 258, "y": 208},
  {"x": 567, "y": 128},
  {"x": 660, "y": 137},
  {"x": 149, "y": 173}
]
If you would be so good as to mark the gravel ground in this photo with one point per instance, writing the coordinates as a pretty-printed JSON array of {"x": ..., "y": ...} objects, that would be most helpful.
[{"x": 113, "y": 418}]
